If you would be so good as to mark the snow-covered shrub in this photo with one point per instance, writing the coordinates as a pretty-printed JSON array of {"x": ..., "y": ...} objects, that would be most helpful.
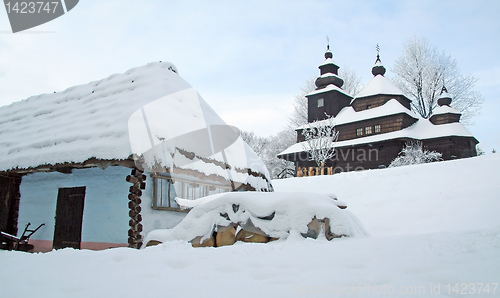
[{"x": 413, "y": 154}]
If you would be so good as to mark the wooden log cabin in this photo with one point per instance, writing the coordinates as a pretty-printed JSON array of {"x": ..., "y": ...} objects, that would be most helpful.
[
  {"x": 374, "y": 125},
  {"x": 67, "y": 160}
]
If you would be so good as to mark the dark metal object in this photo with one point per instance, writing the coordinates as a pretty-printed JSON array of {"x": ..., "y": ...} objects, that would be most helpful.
[{"x": 21, "y": 243}]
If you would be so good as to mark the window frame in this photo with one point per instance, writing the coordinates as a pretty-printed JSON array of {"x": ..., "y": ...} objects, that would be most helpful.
[
  {"x": 368, "y": 130},
  {"x": 359, "y": 132},
  {"x": 185, "y": 189},
  {"x": 321, "y": 102},
  {"x": 377, "y": 128}
]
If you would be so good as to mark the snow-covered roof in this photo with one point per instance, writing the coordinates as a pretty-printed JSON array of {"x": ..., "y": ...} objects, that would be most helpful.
[
  {"x": 327, "y": 61},
  {"x": 445, "y": 110},
  {"x": 423, "y": 129},
  {"x": 445, "y": 95},
  {"x": 145, "y": 110},
  {"x": 329, "y": 74},
  {"x": 83, "y": 121},
  {"x": 329, "y": 87},
  {"x": 379, "y": 85},
  {"x": 349, "y": 115}
]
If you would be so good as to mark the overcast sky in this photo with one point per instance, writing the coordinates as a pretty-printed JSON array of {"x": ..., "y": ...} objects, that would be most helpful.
[{"x": 249, "y": 59}]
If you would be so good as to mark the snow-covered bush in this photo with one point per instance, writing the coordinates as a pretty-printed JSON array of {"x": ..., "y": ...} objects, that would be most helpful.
[{"x": 413, "y": 154}]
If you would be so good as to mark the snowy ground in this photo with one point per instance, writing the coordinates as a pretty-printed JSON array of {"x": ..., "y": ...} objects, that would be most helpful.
[{"x": 435, "y": 233}]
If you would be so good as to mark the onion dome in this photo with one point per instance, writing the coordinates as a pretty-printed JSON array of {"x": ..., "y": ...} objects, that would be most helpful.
[
  {"x": 445, "y": 98},
  {"x": 328, "y": 72},
  {"x": 378, "y": 68},
  {"x": 328, "y": 53}
]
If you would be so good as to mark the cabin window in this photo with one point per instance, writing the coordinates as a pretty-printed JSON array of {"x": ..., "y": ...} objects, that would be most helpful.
[
  {"x": 166, "y": 190},
  {"x": 164, "y": 193},
  {"x": 368, "y": 130},
  {"x": 321, "y": 102},
  {"x": 359, "y": 132},
  {"x": 377, "y": 128}
]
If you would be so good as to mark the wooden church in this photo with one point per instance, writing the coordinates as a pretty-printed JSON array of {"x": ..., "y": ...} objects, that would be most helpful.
[{"x": 374, "y": 126}]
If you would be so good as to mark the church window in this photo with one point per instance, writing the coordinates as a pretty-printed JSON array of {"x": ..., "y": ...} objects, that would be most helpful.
[
  {"x": 368, "y": 130},
  {"x": 321, "y": 102},
  {"x": 377, "y": 128},
  {"x": 359, "y": 132}
]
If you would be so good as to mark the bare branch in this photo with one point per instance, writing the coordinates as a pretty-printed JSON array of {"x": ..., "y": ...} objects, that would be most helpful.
[
  {"x": 321, "y": 140},
  {"x": 421, "y": 72}
]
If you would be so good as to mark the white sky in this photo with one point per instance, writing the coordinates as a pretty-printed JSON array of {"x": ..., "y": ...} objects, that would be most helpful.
[{"x": 249, "y": 59}]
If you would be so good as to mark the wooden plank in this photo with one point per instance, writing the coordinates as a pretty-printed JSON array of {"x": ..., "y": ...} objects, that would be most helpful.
[{"x": 9, "y": 202}]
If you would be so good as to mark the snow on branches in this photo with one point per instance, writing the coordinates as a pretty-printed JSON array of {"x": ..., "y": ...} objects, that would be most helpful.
[
  {"x": 423, "y": 69},
  {"x": 413, "y": 154},
  {"x": 321, "y": 141}
]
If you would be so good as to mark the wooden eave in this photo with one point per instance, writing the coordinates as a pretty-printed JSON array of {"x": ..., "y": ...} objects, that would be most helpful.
[{"x": 67, "y": 167}]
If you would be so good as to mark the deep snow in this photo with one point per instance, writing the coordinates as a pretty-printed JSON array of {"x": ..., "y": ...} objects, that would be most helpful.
[{"x": 435, "y": 233}]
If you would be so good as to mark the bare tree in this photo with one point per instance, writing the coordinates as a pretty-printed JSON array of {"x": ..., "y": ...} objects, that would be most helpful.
[
  {"x": 257, "y": 143},
  {"x": 352, "y": 81},
  {"x": 299, "y": 114},
  {"x": 280, "y": 168},
  {"x": 321, "y": 140},
  {"x": 422, "y": 70},
  {"x": 268, "y": 149}
]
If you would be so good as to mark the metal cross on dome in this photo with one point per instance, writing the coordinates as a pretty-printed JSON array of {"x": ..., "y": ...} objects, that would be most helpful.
[{"x": 378, "y": 49}]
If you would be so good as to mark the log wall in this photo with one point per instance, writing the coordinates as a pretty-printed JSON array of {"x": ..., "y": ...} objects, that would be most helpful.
[
  {"x": 137, "y": 178},
  {"x": 369, "y": 102},
  {"x": 387, "y": 124}
]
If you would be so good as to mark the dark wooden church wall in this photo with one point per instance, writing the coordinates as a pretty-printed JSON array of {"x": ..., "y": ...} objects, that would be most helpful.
[
  {"x": 445, "y": 118},
  {"x": 387, "y": 124},
  {"x": 333, "y": 102},
  {"x": 452, "y": 147},
  {"x": 363, "y": 157},
  {"x": 360, "y": 104}
]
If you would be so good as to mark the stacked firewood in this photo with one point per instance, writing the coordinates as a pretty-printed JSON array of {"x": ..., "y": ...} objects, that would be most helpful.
[{"x": 137, "y": 178}]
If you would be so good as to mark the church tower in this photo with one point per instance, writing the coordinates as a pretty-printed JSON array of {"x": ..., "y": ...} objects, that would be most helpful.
[
  {"x": 379, "y": 90},
  {"x": 444, "y": 113},
  {"x": 328, "y": 98}
]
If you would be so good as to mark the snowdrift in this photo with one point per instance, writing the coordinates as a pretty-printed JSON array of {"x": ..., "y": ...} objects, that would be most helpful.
[
  {"x": 447, "y": 196},
  {"x": 435, "y": 231}
]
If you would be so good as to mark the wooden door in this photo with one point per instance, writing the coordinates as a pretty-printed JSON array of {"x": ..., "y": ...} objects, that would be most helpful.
[{"x": 69, "y": 217}]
